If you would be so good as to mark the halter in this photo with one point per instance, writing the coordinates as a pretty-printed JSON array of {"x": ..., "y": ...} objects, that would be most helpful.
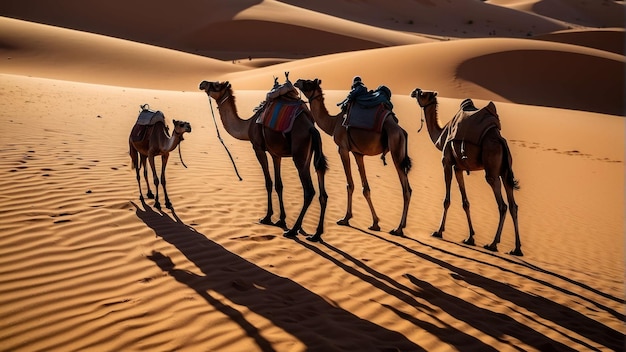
[
  {"x": 315, "y": 97},
  {"x": 224, "y": 97}
]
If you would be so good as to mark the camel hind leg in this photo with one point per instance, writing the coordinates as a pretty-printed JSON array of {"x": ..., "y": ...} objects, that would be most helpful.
[
  {"x": 309, "y": 193},
  {"x": 344, "y": 154},
  {"x": 398, "y": 144},
  {"x": 143, "y": 162},
  {"x": 321, "y": 166},
  {"x": 164, "y": 159},
  {"x": 134, "y": 157},
  {"x": 466, "y": 204}
]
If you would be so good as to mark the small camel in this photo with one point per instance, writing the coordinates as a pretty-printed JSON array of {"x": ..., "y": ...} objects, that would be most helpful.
[
  {"x": 492, "y": 155},
  {"x": 361, "y": 142},
  {"x": 302, "y": 143},
  {"x": 157, "y": 141}
]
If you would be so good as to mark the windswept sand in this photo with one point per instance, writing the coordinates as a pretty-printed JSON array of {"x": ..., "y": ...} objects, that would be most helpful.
[{"x": 87, "y": 266}]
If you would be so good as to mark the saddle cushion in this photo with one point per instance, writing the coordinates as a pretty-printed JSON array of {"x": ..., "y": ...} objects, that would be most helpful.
[
  {"x": 150, "y": 117},
  {"x": 470, "y": 125},
  {"x": 280, "y": 114},
  {"x": 371, "y": 119}
]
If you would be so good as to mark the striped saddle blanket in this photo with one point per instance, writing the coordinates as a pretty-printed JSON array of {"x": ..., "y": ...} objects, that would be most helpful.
[
  {"x": 371, "y": 119},
  {"x": 279, "y": 114}
]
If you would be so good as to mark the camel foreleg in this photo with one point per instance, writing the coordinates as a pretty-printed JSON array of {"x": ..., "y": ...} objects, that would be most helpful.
[
  {"x": 466, "y": 205},
  {"x": 345, "y": 160},
  {"x": 155, "y": 176},
  {"x": 262, "y": 158},
  {"x": 164, "y": 159},
  {"x": 447, "y": 175},
  {"x": 366, "y": 191},
  {"x": 143, "y": 163},
  {"x": 278, "y": 186}
]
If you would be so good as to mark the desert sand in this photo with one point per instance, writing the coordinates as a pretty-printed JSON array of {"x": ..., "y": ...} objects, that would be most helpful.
[{"x": 87, "y": 266}]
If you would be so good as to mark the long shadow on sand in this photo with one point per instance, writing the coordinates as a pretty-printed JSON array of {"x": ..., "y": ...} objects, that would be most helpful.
[
  {"x": 289, "y": 306},
  {"x": 497, "y": 325},
  {"x": 443, "y": 331}
]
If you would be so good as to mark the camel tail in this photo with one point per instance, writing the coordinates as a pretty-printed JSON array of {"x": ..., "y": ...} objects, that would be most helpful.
[
  {"x": 507, "y": 167},
  {"x": 319, "y": 159},
  {"x": 406, "y": 162},
  {"x": 134, "y": 156}
]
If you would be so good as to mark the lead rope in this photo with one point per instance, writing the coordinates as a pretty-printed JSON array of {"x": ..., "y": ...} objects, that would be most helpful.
[
  {"x": 180, "y": 155},
  {"x": 222, "y": 141},
  {"x": 422, "y": 123}
]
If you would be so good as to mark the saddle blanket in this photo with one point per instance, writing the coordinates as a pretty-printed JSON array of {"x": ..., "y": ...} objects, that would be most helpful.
[
  {"x": 470, "y": 125},
  {"x": 280, "y": 114},
  {"x": 371, "y": 119}
]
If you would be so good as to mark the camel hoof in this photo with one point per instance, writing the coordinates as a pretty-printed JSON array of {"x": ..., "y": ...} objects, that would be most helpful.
[
  {"x": 397, "y": 232},
  {"x": 266, "y": 221},
  {"x": 469, "y": 241},
  {"x": 291, "y": 233},
  {"x": 491, "y": 247},
  {"x": 157, "y": 205},
  {"x": 169, "y": 205},
  {"x": 315, "y": 238},
  {"x": 374, "y": 227},
  {"x": 343, "y": 222},
  {"x": 517, "y": 252},
  {"x": 280, "y": 223},
  {"x": 150, "y": 195},
  {"x": 437, "y": 234}
]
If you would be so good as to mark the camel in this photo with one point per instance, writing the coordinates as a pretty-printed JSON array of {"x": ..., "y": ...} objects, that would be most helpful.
[
  {"x": 301, "y": 143},
  {"x": 157, "y": 141},
  {"x": 361, "y": 142},
  {"x": 492, "y": 155}
]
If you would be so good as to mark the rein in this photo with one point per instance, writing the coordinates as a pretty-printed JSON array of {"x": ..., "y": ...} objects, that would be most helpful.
[
  {"x": 180, "y": 155},
  {"x": 222, "y": 100},
  {"x": 424, "y": 112}
]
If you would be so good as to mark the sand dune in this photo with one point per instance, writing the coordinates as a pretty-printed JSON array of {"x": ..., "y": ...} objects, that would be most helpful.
[{"x": 87, "y": 266}]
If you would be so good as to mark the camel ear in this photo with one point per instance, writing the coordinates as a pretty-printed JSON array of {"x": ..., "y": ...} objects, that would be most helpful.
[
  {"x": 319, "y": 81},
  {"x": 435, "y": 93},
  {"x": 174, "y": 122}
]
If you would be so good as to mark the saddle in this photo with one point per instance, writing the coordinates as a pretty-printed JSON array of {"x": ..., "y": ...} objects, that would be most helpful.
[
  {"x": 469, "y": 124},
  {"x": 281, "y": 107},
  {"x": 146, "y": 119}
]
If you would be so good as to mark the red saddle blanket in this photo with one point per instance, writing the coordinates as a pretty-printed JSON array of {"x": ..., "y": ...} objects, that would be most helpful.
[
  {"x": 371, "y": 119},
  {"x": 470, "y": 126},
  {"x": 279, "y": 114}
]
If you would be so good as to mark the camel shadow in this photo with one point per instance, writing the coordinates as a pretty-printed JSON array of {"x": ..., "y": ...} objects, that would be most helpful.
[
  {"x": 307, "y": 317},
  {"x": 520, "y": 262},
  {"x": 447, "y": 333},
  {"x": 544, "y": 308}
]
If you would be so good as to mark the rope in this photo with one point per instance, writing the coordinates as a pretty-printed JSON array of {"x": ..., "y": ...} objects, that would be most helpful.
[
  {"x": 222, "y": 141},
  {"x": 180, "y": 155}
]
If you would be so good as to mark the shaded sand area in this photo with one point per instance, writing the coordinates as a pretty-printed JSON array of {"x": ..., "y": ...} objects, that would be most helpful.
[{"x": 87, "y": 266}]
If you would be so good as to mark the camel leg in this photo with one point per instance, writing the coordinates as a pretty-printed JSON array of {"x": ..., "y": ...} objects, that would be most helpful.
[
  {"x": 278, "y": 185},
  {"x": 496, "y": 185},
  {"x": 262, "y": 158},
  {"x": 466, "y": 205},
  {"x": 156, "y": 181},
  {"x": 309, "y": 192},
  {"x": 164, "y": 159},
  {"x": 513, "y": 210},
  {"x": 447, "y": 175},
  {"x": 144, "y": 158},
  {"x": 345, "y": 160},
  {"x": 366, "y": 190},
  {"x": 398, "y": 153},
  {"x": 134, "y": 156}
]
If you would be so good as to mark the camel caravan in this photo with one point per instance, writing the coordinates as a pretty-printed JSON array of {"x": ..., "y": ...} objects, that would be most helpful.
[{"x": 284, "y": 126}]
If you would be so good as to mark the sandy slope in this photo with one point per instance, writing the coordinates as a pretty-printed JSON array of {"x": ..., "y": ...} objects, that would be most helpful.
[{"x": 85, "y": 265}]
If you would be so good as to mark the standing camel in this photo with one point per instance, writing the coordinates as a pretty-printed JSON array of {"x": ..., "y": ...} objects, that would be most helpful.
[
  {"x": 302, "y": 143},
  {"x": 491, "y": 154},
  {"x": 156, "y": 141},
  {"x": 361, "y": 142}
]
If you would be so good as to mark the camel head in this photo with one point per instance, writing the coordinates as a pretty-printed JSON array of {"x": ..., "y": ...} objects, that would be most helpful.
[
  {"x": 308, "y": 87},
  {"x": 424, "y": 97},
  {"x": 181, "y": 127},
  {"x": 215, "y": 90}
]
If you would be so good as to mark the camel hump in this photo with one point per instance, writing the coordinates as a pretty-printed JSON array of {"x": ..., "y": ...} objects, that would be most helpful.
[{"x": 148, "y": 117}]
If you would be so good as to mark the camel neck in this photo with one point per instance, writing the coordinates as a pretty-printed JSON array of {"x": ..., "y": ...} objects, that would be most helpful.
[
  {"x": 173, "y": 141},
  {"x": 432, "y": 121},
  {"x": 233, "y": 124},
  {"x": 320, "y": 113}
]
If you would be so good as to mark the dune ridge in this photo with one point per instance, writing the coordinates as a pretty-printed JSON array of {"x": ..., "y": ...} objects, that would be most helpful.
[{"x": 86, "y": 265}]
